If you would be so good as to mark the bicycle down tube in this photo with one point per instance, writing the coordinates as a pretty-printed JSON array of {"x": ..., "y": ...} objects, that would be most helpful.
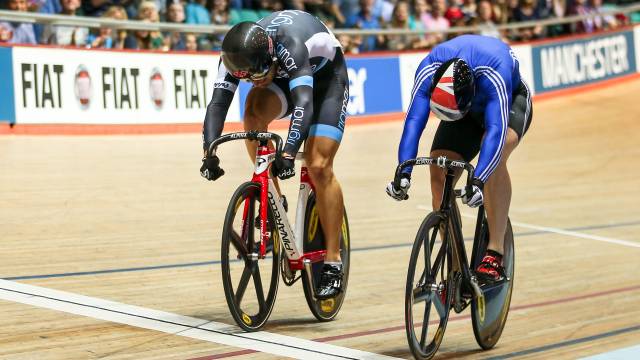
[{"x": 292, "y": 241}]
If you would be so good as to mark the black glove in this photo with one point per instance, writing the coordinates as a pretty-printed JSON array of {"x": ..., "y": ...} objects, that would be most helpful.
[
  {"x": 210, "y": 168},
  {"x": 283, "y": 167}
]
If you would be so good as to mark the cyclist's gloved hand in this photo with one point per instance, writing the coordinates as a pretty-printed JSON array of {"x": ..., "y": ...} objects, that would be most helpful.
[
  {"x": 400, "y": 193},
  {"x": 210, "y": 168},
  {"x": 472, "y": 193},
  {"x": 283, "y": 167}
]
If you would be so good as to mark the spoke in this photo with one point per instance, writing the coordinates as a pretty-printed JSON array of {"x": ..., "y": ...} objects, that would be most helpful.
[
  {"x": 427, "y": 258},
  {"x": 242, "y": 285},
  {"x": 437, "y": 262},
  {"x": 238, "y": 244},
  {"x": 257, "y": 282},
  {"x": 438, "y": 258},
  {"x": 439, "y": 305},
  {"x": 425, "y": 325},
  {"x": 433, "y": 237},
  {"x": 423, "y": 278},
  {"x": 446, "y": 259}
]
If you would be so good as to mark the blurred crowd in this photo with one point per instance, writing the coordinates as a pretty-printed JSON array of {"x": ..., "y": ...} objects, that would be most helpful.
[{"x": 429, "y": 15}]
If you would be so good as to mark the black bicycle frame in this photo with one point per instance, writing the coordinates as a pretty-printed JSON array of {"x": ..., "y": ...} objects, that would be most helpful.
[
  {"x": 454, "y": 224},
  {"x": 451, "y": 215}
]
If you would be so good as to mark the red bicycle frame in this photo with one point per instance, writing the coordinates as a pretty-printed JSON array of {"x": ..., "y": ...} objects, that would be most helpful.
[{"x": 291, "y": 242}]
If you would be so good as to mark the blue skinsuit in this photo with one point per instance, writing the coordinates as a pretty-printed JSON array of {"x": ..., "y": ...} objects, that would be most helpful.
[{"x": 497, "y": 75}]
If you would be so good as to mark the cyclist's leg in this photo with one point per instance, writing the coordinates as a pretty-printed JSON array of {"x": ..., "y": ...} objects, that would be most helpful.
[
  {"x": 497, "y": 193},
  {"x": 497, "y": 190},
  {"x": 263, "y": 105},
  {"x": 459, "y": 140},
  {"x": 331, "y": 95},
  {"x": 319, "y": 154}
]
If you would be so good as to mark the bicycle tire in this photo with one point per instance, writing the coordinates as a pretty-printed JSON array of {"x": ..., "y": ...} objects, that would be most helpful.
[
  {"x": 324, "y": 310},
  {"x": 489, "y": 323},
  {"x": 419, "y": 348},
  {"x": 247, "y": 242}
]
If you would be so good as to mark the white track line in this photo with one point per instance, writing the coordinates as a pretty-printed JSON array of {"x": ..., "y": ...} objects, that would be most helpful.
[
  {"x": 559, "y": 231},
  {"x": 629, "y": 353},
  {"x": 175, "y": 324}
]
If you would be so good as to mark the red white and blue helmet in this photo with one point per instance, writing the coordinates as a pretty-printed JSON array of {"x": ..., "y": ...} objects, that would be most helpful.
[{"x": 452, "y": 90}]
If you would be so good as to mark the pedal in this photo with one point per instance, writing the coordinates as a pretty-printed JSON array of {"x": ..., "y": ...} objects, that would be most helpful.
[{"x": 459, "y": 307}]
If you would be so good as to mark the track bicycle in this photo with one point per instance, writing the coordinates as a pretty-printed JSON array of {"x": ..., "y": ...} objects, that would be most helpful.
[
  {"x": 252, "y": 263},
  {"x": 440, "y": 278}
]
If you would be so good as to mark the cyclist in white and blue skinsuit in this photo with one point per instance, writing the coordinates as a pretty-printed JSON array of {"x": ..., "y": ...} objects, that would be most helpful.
[
  {"x": 297, "y": 67},
  {"x": 473, "y": 83}
]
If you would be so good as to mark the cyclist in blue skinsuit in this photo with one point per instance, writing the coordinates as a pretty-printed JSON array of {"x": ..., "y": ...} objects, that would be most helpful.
[{"x": 473, "y": 84}]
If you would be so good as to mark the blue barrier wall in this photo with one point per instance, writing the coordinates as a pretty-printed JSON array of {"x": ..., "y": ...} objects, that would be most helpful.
[
  {"x": 7, "y": 103},
  {"x": 374, "y": 86}
]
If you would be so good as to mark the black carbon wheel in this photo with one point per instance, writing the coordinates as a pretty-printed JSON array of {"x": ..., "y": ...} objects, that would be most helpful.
[
  {"x": 490, "y": 317},
  {"x": 429, "y": 289},
  {"x": 250, "y": 284},
  {"x": 324, "y": 310}
]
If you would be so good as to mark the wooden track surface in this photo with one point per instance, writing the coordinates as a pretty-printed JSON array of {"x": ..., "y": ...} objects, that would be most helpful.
[{"x": 86, "y": 204}]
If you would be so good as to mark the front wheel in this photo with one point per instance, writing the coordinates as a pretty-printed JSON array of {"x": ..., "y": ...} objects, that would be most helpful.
[
  {"x": 323, "y": 310},
  {"x": 490, "y": 317},
  {"x": 250, "y": 283},
  {"x": 429, "y": 289}
]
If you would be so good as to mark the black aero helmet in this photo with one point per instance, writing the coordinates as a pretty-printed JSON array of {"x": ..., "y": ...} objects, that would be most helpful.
[
  {"x": 452, "y": 90},
  {"x": 247, "y": 51}
]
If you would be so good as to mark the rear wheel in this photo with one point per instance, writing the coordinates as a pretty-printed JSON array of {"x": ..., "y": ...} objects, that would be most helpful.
[
  {"x": 490, "y": 317},
  {"x": 250, "y": 284},
  {"x": 429, "y": 288},
  {"x": 323, "y": 310}
]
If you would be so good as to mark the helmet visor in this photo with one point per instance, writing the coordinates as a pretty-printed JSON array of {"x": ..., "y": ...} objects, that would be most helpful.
[
  {"x": 260, "y": 74},
  {"x": 247, "y": 69}
]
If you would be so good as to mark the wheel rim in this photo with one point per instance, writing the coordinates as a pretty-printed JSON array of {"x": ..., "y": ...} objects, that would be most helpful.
[
  {"x": 314, "y": 240},
  {"x": 250, "y": 283},
  {"x": 428, "y": 294},
  {"x": 497, "y": 299}
]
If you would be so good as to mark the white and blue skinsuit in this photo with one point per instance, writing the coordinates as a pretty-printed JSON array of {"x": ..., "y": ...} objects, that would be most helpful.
[{"x": 311, "y": 81}]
